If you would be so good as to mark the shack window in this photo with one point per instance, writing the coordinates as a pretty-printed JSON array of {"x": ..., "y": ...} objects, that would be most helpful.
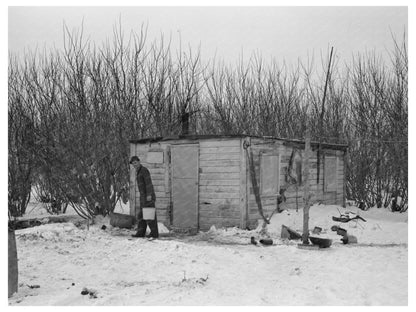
[
  {"x": 294, "y": 171},
  {"x": 330, "y": 174},
  {"x": 269, "y": 174}
]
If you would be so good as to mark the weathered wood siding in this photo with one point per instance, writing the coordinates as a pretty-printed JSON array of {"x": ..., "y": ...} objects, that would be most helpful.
[
  {"x": 219, "y": 183},
  {"x": 160, "y": 178},
  {"x": 225, "y": 192},
  {"x": 269, "y": 202},
  {"x": 294, "y": 195}
]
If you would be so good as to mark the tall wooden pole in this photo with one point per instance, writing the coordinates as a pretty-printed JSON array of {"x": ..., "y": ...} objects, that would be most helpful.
[
  {"x": 328, "y": 73},
  {"x": 321, "y": 119},
  {"x": 306, "y": 196}
]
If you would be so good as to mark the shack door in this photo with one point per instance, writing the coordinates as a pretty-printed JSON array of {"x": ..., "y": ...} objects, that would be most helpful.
[{"x": 185, "y": 185}]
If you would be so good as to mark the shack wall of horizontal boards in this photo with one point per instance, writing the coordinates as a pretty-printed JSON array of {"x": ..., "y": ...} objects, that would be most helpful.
[{"x": 226, "y": 197}]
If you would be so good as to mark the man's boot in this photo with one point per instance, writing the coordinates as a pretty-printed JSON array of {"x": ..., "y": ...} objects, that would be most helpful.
[{"x": 137, "y": 235}]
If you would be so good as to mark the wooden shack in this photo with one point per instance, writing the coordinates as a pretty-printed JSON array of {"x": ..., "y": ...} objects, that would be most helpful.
[{"x": 205, "y": 180}]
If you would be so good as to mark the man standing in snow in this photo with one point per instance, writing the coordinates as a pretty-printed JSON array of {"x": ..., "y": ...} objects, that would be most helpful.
[{"x": 147, "y": 199}]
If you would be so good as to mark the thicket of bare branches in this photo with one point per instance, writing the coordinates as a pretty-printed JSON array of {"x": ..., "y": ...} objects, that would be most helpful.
[
  {"x": 72, "y": 112},
  {"x": 254, "y": 98},
  {"x": 377, "y": 171},
  {"x": 84, "y": 103},
  {"x": 21, "y": 141}
]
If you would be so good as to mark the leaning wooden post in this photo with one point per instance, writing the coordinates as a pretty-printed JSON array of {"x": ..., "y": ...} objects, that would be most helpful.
[
  {"x": 13, "y": 266},
  {"x": 306, "y": 197},
  {"x": 256, "y": 188}
]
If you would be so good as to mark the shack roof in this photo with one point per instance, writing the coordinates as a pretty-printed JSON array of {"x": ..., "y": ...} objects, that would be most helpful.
[{"x": 197, "y": 137}]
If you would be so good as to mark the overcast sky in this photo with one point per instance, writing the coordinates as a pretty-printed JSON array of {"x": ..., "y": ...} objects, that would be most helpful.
[{"x": 284, "y": 33}]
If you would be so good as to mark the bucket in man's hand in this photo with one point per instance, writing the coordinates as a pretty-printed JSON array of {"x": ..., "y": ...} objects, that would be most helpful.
[{"x": 149, "y": 213}]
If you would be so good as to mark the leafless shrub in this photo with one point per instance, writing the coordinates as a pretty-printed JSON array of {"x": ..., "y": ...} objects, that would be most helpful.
[
  {"x": 72, "y": 112},
  {"x": 21, "y": 141},
  {"x": 377, "y": 171}
]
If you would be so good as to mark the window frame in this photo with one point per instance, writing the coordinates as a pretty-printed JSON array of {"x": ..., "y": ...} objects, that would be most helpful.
[
  {"x": 332, "y": 187},
  {"x": 274, "y": 191}
]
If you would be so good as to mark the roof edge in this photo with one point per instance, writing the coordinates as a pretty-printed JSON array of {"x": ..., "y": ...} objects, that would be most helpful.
[{"x": 220, "y": 136}]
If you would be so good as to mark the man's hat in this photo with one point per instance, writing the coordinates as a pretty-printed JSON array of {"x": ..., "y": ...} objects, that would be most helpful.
[{"x": 134, "y": 158}]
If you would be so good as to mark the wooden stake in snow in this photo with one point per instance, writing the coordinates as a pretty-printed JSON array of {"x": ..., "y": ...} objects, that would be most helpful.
[{"x": 306, "y": 197}]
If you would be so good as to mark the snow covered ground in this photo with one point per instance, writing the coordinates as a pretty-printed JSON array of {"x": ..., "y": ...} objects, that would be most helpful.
[{"x": 219, "y": 267}]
